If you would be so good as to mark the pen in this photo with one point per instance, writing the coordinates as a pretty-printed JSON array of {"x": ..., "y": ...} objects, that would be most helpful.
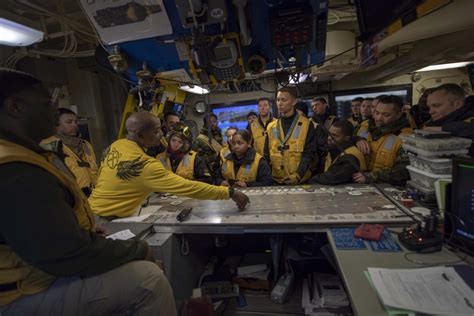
[
  {"x": 468, "y": 303},
  {"x": 445, "y": 276}
]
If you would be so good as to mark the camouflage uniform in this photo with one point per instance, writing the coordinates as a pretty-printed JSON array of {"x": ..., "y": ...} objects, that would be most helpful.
[
  {"x": 398, "y": 174},
  {"x": 207, "y": 152}
]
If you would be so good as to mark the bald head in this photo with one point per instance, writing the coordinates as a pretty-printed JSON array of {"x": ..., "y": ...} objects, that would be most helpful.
[
  {"x": 141, "y": 121},
  {"x": 144, "y": 129}
]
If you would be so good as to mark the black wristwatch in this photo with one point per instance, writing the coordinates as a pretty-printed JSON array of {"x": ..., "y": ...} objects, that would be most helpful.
[{"x": 231, "y": 192}]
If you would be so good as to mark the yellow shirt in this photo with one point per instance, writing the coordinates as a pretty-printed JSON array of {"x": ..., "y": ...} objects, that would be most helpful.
[{"x": 128, "y": 175}]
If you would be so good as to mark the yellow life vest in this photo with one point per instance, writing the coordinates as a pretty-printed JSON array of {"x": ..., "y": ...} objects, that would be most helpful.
[
  {"x": 353, "y": 122},
  {"x": 247, "y": 172},
  {"x": 384, "y": 150},
  {"x": 214, "y": 145},
  {"x": 185, "y": 167},
  {"x": 29, "y": 279},
  {"x": 286, "y": 164},
  {"x": 363, "y": 130},
  {"x": 259, "y": 134},
  {"x": 411, "y": 120},
  {"x": 327, "y": 123},
  {"x": 84, "y": 169},
  {"x": 353, "y": 150},
  {"x": 163, "y": 141},
  {"x": 225, "y": 150}
]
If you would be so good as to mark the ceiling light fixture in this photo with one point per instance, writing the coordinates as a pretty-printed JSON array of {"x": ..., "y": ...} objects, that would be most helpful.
[
  {"x": 297, "y": 78},
  {"x": 445, "y": 66},
  {"x": 195, "y": 89},
  {"x": 15, "y": 34}
]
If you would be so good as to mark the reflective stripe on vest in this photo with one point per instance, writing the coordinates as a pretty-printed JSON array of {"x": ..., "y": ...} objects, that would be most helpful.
[
  {"x": 390, "y": 141},
  {"x": 296, "y": 134},
  {"x": 165, "y": 162},
  {"x": 364, "y": 134},
  {"x": 186, "y": 161}
]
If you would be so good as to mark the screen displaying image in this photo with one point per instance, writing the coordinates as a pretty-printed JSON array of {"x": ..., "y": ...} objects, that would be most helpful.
[
  {"x": 464, "y": 218},
  {"x": 234, "y": 115}
]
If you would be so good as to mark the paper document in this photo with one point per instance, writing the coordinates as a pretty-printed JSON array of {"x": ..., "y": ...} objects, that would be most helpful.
[
  {"x": 437, "y": 290},
  {"x": 132, "y": 219},
  {"x": 122, "y": 235}
]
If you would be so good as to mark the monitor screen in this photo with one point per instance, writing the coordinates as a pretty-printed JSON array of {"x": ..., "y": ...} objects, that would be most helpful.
[
  {"x": 223, "y": 53},
  {"x": 178, "y": 108},
  {"x": 459, "y": 220},
  {"x": 234, "y": 115},
  {"x": 343, "y": 98}
]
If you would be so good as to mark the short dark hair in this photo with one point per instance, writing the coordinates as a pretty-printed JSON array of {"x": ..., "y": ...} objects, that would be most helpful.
[
  {"x": 210, "y": 114},
  {"x": 13, "y": 81},
  {"x": 290, "y": 90},
  {"x": 358, "y": 99},
  {"x": 369, "y": 99},
  {"x": 245, "y": 134},
  {"x": 232, "y": 127},
  {"x": 303, "y": 107},
  {"x": 170, "y": 113},
  {"x": 264, "y": 99},
  {"x": 379, "y": 96},
  {"x": 62, "y": 111},
  {"x": 392, "y": 99},
  {"x": 322, "y": 100},
  {"x": 451, "y": 88},
  {"x": 345, "y": 126},
  {"x": 252, "y": 113}
]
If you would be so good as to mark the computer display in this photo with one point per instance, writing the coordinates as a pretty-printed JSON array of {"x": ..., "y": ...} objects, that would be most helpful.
[
  {"x": 343, "y": 98},
  {"x": 234, "y": 115},
  {"x": 459, "y": 219},
  {"x": 178, "y": 108}
]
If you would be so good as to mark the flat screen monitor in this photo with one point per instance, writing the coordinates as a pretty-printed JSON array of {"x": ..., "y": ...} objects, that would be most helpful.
[
  {"x": 234, "y": 114},
  {"x": 459, "y": 218},
  {"x": 343, "y": 98},
  {"x": 178, "y": 108}
]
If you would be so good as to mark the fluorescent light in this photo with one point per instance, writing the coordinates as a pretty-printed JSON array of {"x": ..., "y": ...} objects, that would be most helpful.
[
  {"x": 445, "y": 66},
  {"x": 14, "y": 34},
  {"x": 301, "y": 78},
  {"x": 195, "y": 89}
]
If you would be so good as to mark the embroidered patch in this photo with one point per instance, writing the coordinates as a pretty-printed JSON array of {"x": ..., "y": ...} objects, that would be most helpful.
[
  {"x": 129, "y": 169},
  {"x": 112, "y": 158}
]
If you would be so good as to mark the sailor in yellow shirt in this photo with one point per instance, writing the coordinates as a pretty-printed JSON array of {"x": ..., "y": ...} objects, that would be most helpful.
[
  {"x": 258, "y": 128},
  {"x": 79, "y": 154},
  {"x": 180, "y": 159},
  {"x": 128, "y": 175}
]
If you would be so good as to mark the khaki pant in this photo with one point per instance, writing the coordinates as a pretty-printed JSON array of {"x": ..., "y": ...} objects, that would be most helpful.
[{"x": 136, "y": 288}]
